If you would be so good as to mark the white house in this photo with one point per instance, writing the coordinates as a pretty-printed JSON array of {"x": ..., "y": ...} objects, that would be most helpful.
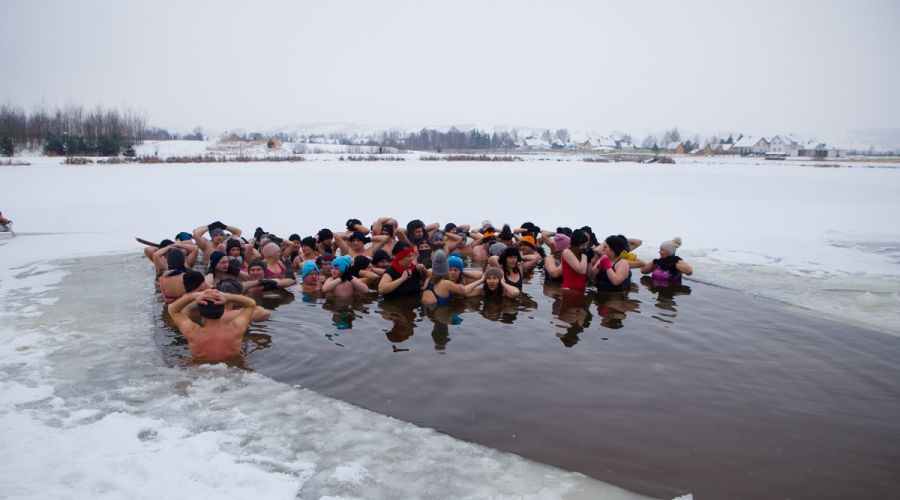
[
  {"x": 627, "y": 146},
  {"x": 535, "y": 143},
  {"x": 751, "y": 145},
  {"x": 784, "y": 144}
]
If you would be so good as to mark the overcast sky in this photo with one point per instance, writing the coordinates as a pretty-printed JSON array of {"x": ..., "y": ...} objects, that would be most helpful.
[{"x": 767, "y": 67}]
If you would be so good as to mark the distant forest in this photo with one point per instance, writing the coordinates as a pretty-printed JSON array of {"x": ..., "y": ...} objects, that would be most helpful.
[{"x": 70, "y": 129}]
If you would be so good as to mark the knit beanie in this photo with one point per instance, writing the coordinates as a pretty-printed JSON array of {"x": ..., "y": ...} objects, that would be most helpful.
[
  {"x": 454, "y": 261},
  {"x": 439, "y": 264},
  {"x": 496, "y": 248},
  {"x": 308, "y": 267},
  {"x": 493, "y": 271},
  {"x": 671, "y": 246},
  {"x": 560, "y": 241},
  {"x": 342, "y": 263},
  {"x": 270, "y": 250}
]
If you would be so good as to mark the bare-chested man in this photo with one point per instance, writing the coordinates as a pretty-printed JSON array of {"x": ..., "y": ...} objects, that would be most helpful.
[{"x": 217, "y": 339}]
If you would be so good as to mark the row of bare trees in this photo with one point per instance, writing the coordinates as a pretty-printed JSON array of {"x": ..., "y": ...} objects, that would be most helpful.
[{"x": 70, "y": 128}]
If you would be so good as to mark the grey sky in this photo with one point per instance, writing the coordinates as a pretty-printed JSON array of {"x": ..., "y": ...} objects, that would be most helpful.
[{"x": 819, "y": 67}]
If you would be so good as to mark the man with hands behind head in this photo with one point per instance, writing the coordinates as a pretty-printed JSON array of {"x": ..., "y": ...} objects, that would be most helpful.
[{"x": 215, "y": 340}]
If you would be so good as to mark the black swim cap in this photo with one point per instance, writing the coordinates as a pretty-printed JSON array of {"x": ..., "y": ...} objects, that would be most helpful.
[
  {"x": 192, "y": 280},
  {"x": 175, "y": 259},
  {"x": 211, "y": 311}
]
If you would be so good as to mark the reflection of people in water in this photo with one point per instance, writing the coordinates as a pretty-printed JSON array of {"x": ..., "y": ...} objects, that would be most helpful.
[
  {"x": 401, "y": 313},
  {"x": 443, "y": 317},
  {"x": 571, "y": 308},
  {"x": 665, "y": 298},
  {"x": 613, "y": 306}
]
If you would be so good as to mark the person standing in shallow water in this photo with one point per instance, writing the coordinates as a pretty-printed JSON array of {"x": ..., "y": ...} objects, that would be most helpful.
[
  {"x": 668, "y": 268},
  {"x": 216, "y": 339}
]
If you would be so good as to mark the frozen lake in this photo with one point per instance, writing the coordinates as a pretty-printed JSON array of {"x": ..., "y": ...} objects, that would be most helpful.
[{"x": 820, "y": 239}]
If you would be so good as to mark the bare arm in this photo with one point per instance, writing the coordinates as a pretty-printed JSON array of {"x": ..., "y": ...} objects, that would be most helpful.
[
  {"x": 341, "y": 240},
  {"x": 184, "y": 324},
  {"x": 330, "y": 284},
  {"x": 473, "y": 289},
  {"x": 388, "y": 284},
  {"x": 577, "y": 265},
  {"x": 233, "y": 230},
  {"x": 248, "y": 306},
  {"x": 648, "y": 267},
  {"x": 359, "y": 286},
  {"x": 684, "y": 267}
]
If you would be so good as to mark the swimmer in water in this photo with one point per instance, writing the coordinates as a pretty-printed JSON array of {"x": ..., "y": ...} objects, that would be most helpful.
[
  {"x": 341, "y": 283},
  {"x": 491, "y": 284},
  {"x": 668, "y": 268},
  {"x": 216, "y": 339}
]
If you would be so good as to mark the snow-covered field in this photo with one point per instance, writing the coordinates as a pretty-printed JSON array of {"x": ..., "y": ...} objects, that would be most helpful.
[{"x": 89, "y": 409}]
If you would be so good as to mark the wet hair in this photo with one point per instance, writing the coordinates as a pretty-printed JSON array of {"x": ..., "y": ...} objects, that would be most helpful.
[{"x": 229, "y": 285}]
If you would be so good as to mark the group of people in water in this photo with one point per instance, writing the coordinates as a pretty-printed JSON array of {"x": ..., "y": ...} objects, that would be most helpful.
[{"x": 424, "y": 260}]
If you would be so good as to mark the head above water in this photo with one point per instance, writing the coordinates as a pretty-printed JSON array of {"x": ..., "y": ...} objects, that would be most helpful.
[
  {"x": 210, "y": 310},
  {"x": 671, "y": 246}
]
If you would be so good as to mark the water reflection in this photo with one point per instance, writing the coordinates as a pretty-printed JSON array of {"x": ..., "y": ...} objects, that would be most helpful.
[
  {"x": 400, "y": 312},
  {"x": 613, "y": 308},
  {"x": 665, "y": 298},
  {"x": 570, "y": 308}
]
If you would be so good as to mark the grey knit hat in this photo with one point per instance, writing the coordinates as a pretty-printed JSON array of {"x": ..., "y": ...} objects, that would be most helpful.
[
  {"x": 496, "y": 248},
  {"x": 439, "y": 264}
]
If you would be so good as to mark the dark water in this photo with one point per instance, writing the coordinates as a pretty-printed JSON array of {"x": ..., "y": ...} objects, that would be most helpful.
[{"x": 663, "y": 391}]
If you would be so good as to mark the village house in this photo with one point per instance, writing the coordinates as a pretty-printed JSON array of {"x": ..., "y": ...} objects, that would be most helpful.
[
  {"x": 784, "y": 144},
  {"x": 751, "y": 145}
]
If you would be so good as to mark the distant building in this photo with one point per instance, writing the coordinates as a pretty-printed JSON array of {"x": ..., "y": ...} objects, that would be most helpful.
[
  {"x": 814, "y": 149},
  {"x": 784, "y": 144},
  {"x": 672, "y": 147},
  {"x": 534, "y": 143},
  {"x": 751, "y": 145}
]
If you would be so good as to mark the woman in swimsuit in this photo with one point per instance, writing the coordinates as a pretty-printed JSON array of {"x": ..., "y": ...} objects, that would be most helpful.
[
  {"x": 612, "y": 271},
  {"x": 275, "y": 268},
  {"x": 491, "y": 284},
  {"x": 574, "y": 262},
  {"x": 440, "y": 289},
  {"x": 511, "y": 263},
  {"x": 342, "y": 283},
  {"x": 668, "y": 268}
]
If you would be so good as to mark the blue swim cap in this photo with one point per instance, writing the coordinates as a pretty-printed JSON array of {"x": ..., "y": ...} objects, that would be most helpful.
[
  {"x": 342, "y": 263},
  {"x": 308, "y": 267},
  {"x": 456, "y": 262}
]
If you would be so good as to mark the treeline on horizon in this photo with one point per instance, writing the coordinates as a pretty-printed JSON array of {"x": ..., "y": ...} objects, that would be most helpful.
[{"x": 70, "y": 129}]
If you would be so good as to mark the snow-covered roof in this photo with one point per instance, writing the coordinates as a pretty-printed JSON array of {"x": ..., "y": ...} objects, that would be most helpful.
[
  {"x": 784, "y": 139},
  {"x": 673, "y": 145},
  {"x": 748, "y": 141},
  {"x": 533, "y": 142}
]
